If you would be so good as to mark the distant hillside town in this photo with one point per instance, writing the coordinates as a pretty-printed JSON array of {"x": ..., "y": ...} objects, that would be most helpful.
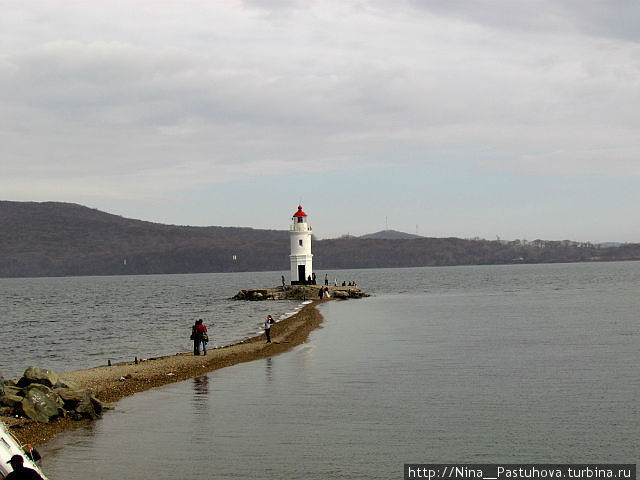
[{"x": 64, "y": 239}]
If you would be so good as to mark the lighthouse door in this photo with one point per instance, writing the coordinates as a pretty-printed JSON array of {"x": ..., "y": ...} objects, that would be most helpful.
[{"x": 301, "y": 275}]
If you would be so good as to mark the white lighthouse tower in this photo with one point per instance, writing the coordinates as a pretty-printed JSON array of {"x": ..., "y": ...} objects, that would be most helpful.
[{"x": 301, "y": 257}]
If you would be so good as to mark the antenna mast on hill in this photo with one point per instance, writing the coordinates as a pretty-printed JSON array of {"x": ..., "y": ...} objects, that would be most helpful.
[{"x": 386, "y": 223}]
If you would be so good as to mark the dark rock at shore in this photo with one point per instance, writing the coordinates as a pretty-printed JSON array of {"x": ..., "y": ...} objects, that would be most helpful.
[
  {"x": 62, "y": 383},
  {"x": 43, "y": 396},
  {"x": 13, "y": 390},
  {"x": 1, "y": 383},
  {"x": 298, "y": 292},
  {"x": 10, "y": 400},
  {"x": 40, "y": 403},
  {"x": 80, "y": 402},
  {"x": 39, "y": 376}
]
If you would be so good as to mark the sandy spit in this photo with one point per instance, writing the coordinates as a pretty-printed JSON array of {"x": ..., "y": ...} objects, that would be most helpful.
[{"x": 110, "y": 384}]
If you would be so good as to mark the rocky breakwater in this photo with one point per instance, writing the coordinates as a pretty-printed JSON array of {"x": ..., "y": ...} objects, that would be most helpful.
[
  {"x": 299, "y": 292},
  {"x": 43, "y": 396}
]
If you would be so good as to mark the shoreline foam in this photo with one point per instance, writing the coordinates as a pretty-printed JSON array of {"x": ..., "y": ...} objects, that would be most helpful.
[{"x": 111, "y": 383}]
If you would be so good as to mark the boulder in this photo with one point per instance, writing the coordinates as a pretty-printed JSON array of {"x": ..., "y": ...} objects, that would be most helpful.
[
  {"x": 40, "y": 403},
  {"x": 340, "y": 294},
  {"x": 98, "y": 406},
  {"x": 31, "y": 375},
  {"x": 80, "y": 403},
  {"x": 11, "y": 390},
  {"x": 10, "y": 400},
  {"x": 62, "y": 383}
]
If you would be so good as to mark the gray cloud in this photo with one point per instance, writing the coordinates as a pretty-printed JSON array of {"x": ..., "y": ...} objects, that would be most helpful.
[
  {"x": 617, "y": 19},
  {"x": 138, "y": 100}
]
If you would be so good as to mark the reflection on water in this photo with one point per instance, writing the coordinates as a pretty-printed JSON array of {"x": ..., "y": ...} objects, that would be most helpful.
[
  {"x": 268, "y": 369},
  {"x": 200, "y": 391},
  {"x": 200, "y": 412}
]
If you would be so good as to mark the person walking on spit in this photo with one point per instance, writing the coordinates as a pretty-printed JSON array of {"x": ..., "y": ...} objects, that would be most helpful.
[
  {"x": 283, "y": 280},
  {"x": 267, "y": 327},
  {"x": 20, "y": 472},
  {"x": 326, "y": 279}
]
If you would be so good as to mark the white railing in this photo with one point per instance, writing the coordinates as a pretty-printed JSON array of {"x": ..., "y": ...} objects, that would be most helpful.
[{"x": 300, "y": 227}]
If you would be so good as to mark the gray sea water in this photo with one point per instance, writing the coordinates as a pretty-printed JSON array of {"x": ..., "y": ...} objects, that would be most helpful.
[
  {"x": 467, "y": 364},
  {"x": 73, "y": 323}
]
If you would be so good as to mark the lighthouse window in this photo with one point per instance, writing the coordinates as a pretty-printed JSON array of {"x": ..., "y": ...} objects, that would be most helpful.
[{"x": 300, "y": 242}]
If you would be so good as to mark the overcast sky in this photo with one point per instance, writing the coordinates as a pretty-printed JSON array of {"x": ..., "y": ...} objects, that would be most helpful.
[{"x": 518, "y": 119}]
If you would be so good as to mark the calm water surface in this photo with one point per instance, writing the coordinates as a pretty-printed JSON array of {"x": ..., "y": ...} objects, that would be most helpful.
[{"x": 474, "y": 364}]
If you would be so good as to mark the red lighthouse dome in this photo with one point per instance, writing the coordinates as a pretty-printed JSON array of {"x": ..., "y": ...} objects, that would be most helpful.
[{"x": 299, "y": 213}]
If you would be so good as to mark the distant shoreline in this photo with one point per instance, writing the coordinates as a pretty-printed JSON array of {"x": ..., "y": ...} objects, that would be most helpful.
[
  {"x": 69, "y": 240},
  {"x": 110, "y": 384}
]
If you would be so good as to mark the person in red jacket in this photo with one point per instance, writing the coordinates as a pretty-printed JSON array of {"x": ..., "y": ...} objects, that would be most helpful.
[{"x": 200, "y": 337}]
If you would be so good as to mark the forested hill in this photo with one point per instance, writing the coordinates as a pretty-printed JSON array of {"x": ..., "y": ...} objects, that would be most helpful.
[{"x": 60, "y": 239}]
